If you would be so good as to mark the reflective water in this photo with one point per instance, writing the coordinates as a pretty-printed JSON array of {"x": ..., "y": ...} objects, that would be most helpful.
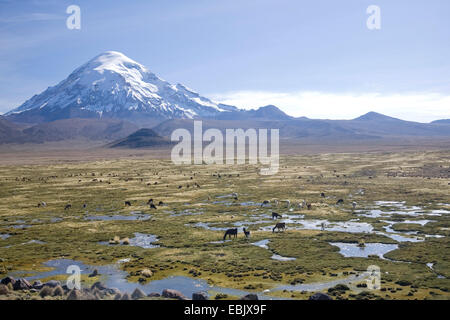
[{"x": 353, "y": 250}]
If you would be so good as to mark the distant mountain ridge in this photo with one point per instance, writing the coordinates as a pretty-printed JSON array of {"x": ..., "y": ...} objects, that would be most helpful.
[
  {"x": 111, "y": 97},
  {"x": 442, "y": 121},
  {"x": 66, "y": 129}
]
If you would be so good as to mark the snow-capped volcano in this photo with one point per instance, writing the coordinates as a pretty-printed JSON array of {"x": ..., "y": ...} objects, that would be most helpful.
[{"x": 113, "y": 85}]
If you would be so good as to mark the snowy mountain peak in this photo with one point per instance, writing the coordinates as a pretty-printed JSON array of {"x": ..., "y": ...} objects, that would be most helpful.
[{"x": 113, "y": 85}]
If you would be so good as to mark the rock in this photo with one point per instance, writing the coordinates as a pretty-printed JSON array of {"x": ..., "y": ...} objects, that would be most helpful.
[
  {"x": 221, "y": 295},
  {"x": 154, "y": 295},
  {"x": 37, "y": 285},
  {"x": 250, "y": 296},
  {"x": 118, "y": 296},
  {"x": 94, "y": 273},
  {"x": 98, "y": 285},
  {"x": 75, "y": 294},
  {"x": 22, "y": 284},
  {"x": 126, "y": 296},
  {"x": 112, "y": 291},
  {"x": 138, "y": 294},
  {"x": 173, "y": 294},
  {"x": 52, "y": 284},
  {"x": 8, "y": 280},
  {"x": 199, "y": 296},
  {"x": 320, "y": 296},
  {"x": 46, "y": 291},
  {"x": 3, "y": 289},
  {"x": 58, "y": 291}
]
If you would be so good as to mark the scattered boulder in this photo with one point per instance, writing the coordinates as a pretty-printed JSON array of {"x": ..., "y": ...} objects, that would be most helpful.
[
  {"x": 118, "y": 296},
  {"x": 173, "y": 294},
  {"x": 46, "y": 291},
  {"x": 112, "y": 291},
  {"x": 8, "y": 280},
  {"x": 221, "y": 296},
  {"x": 52, "y": 284},
  {"x": 250, "y": 296},
  {"x": 3, "y": 289},
  {"x": 58, "y": 291},
  {"x": 75, "y": 294},
  {"x": 138, "y": 294},
  {"x": 38, "y": 285},
  {"x": 22, "y": 284},
  {"x": 126, "y": 296},
  {"x": 98, "y": 285},
  {"x": 199, "y": 296},
  {"x": 154, "y": 295},
  {"x": 320, "y": 296}
]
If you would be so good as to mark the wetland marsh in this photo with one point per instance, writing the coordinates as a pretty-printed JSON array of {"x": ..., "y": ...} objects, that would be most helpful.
[{"x": 400, "y": 224}]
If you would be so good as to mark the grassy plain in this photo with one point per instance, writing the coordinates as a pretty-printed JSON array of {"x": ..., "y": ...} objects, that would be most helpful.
[{"x": 418, "y": 178}]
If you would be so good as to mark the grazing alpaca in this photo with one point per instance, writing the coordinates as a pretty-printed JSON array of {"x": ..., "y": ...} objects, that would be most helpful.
[
  {"x": 322, "y": 195},
  {"x": 160, "y": 203},
  {"x": 127, "y": 203},
  {"x": 68, "y": 206},
  {"x": 152, "y": 206},
  {"x": 308, "y": 205},
  {"x": 150, "y": 201},
  {"x": 246, "y": 232},
  {"x": 340, "y": 201},
  {"x": 84, "y": 205},
  {"x": 230, "y": 232},
  {"x": 354, "y": 205},
  {"x": 279, "y": 226},
  {"x": 265, "y": 202},
  {"x": 276, "y": 215},
  {"x": 41, "y": 204}
]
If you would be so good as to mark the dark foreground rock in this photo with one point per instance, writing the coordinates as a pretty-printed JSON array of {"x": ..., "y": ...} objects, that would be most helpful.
[
  {"x": 138, "y": 294},
  {"x": 320, "y": 296},
  {"x": 75, "y": 294},
  {"x": 38, "y": 285},
  {"x": 8, "y": 280},
  {"x": 173, "y": 294},
  {"x": 22, "y": 284},
  {"x": 199, "y": 296},
  {"x": 250, "y": 296},
  {"x": 52, "y": 283},
  {"x": 3, "y": 289},
  {"x": 154, "y": 295}
]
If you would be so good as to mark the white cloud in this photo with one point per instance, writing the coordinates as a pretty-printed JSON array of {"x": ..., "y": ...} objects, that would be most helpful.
[{"x": 421, "y": 107}]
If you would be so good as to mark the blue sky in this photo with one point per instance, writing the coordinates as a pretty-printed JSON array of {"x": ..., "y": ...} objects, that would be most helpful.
[{"x": 310, "y": 58}]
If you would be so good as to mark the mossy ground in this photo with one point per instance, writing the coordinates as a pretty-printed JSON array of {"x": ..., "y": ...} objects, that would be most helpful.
[{"x": 186, "y": 250}]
